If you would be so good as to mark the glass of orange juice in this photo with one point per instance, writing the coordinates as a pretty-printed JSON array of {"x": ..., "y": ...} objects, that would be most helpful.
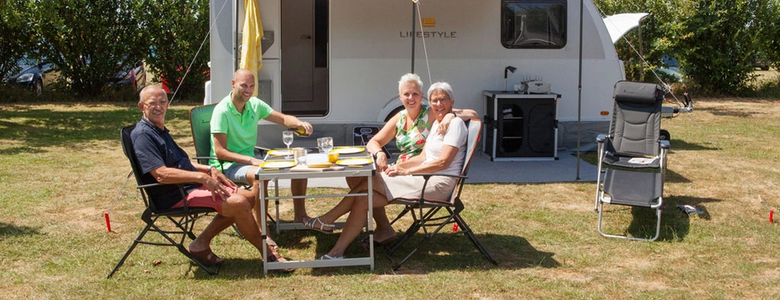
[{"x": 333, "y": 157}]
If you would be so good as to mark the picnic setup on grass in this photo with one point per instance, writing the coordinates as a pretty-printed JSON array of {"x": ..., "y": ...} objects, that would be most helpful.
[{"x": 543, "y": 75}]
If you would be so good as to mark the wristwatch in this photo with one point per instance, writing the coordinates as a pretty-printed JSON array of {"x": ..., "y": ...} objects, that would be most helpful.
[{"x": 208, "y": 171}]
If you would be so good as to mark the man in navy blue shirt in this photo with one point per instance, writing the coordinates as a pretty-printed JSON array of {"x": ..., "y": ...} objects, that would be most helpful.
[{"x": 162, "y": 160}]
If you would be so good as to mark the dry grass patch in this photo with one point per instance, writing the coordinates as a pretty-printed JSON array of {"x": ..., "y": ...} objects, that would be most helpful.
[{"x": 65, "y": 168}]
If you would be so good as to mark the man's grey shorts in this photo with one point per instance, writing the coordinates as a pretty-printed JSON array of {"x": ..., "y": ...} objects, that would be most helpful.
[{"x": 237, "y": 172}]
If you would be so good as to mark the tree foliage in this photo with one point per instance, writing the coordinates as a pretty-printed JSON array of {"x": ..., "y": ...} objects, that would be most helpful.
[
  {"x": 89, "y": 40},
  {"x": 177, "y": 29},
  {"x": 660, "y": 31},
  {"x": 16, "y": 36},
  {"x": 720, "y": 44}
]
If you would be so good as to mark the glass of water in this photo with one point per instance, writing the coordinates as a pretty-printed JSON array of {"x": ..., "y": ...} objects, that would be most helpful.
[
  {"x": 325, "y": 144},
  {"x": 287, "y": 138}
]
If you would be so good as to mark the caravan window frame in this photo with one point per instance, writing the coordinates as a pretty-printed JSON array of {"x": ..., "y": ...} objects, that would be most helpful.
[{"x": 550, "y": 27}]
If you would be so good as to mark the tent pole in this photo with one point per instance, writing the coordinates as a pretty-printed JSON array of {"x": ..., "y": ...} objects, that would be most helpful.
[
  {"x": 414, "y": 31},
  {"x": 236, "y": 53},
  {"x": 579, "y": 98}
]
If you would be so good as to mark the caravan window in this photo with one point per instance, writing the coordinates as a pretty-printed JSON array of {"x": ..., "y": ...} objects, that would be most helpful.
[{"x": 533, "y": 24}]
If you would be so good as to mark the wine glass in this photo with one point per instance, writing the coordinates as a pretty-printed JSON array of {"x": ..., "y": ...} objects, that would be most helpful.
[{"x": 287, "y": 138}]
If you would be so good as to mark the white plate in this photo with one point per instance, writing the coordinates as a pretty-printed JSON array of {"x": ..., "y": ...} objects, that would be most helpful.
[
  {"x": 276, "y": 165},
  {"x": 348, "y": 150},
  {"x": 280, "y": 152},
  {"x": 354, "y": 162}
]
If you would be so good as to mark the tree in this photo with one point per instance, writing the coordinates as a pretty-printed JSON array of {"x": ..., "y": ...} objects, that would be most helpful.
[
  {"x": 89, "y": 40},
  {"x": 177, "y": 29},
  {"x": 659, "y": 34},
  {"x": 720, "y": 44},
  {"x": 768, "y": 22},
  {"x": 16, "y": 37}
]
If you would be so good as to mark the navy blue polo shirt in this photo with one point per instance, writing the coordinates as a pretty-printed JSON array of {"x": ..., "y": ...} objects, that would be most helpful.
[{"x": 154, "y": 148}]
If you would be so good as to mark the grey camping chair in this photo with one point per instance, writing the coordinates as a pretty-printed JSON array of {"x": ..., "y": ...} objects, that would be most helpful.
[
  {"x": 425, "y": 213},
  {"x": 632, "y": 158}
]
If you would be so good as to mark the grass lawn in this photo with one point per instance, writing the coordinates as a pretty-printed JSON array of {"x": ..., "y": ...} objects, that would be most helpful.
[{"x": 63, "y": 167}]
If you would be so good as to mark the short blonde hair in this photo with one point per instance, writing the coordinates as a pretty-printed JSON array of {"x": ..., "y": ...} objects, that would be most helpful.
[{"x": 410, "y": 77}]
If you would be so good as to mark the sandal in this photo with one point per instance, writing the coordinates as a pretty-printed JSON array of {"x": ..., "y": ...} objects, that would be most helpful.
[
  {"x": 311, "y": 223},
  {"x": 207, "y": 257},
  {"x": 377, "y": 244},
  {"x": 276, "y": 257},
  {"x": 271, "y": 243}
]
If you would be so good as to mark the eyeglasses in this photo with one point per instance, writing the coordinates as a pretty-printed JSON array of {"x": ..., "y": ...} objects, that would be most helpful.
[
  {"x": 159, "y": 103},
  {"x": 438, "y": 100}
]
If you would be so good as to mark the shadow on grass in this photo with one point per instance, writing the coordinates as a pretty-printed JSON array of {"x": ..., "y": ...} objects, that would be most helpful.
[
  {"x": 38, "y": 128},
  {"x": 443, "y": 253},
  {"x": 675, "y": 224},
  {"x": 10, "y": 230},
  {"x": 683, "y": 145},
  {"x": 727, "y": 112}
]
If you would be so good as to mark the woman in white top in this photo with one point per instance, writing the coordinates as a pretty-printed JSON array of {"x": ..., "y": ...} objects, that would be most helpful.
[{"x": 442, "y": 154}]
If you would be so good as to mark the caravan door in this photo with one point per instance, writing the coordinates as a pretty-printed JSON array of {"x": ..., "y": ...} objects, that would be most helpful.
[{"x": 304, "y": 53}]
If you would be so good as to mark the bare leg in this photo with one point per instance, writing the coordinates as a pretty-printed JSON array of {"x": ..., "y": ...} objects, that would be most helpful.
[
  {"x": 355, "y": 221},
  {"x": 298, "y": 188},
  {"x": 237, "y": 209},
  {"x": 217, "y": 225},
  {"x": 359, "y": 184}
]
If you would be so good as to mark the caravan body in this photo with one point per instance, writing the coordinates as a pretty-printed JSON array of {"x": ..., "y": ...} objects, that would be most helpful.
[{"x": 336, "y": 63}]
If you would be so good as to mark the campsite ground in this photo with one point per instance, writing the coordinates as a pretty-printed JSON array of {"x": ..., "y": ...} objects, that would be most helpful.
[{"x": 64, "y": 167}]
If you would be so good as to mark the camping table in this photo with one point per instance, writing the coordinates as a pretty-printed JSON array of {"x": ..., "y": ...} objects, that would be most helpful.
[{"x": 351, "y": 171}]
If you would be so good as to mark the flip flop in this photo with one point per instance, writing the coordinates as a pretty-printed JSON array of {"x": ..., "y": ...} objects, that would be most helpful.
[
  {"x": 328, "y": 257},
  {"x": 207, "y": 257},
  {"x": 377, "y": 244},
  {"x": 276, "y": 257}
]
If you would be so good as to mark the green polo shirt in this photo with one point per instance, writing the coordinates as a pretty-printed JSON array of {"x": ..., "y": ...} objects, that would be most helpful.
[{"x": 240, "y": 128}]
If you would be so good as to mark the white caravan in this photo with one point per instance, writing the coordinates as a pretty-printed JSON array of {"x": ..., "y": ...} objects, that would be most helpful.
[{"x": 336, "y": 63}]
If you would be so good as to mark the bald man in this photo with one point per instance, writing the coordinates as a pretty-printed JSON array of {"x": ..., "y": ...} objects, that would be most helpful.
[{"x": 234, "y": 135}]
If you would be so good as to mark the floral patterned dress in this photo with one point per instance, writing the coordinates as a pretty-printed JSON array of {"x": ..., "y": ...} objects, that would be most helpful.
[{"x": 410, "y": 142}]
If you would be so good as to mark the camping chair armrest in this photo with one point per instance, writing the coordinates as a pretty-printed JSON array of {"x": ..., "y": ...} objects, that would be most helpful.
[
  {"x": 428, "y": 175},
  {"x": 664, "y": 144},
  {"x": 601, "y": 138},
  {"x": 179, "y": 185},
  {"x": 203, "y": 157},
  {"x": 262, "y": 150}
]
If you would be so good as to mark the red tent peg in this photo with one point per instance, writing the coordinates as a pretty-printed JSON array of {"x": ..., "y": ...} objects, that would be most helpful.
[{"x": 108, "y": 223}]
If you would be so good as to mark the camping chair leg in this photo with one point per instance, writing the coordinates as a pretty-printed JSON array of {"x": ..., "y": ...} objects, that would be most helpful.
[
  {"x": 238, "y": 232},
  {"x": 129, "y": 250},
  {"x": 406, "y": 236},
  {"x": 657, "y": 226},
  {"x": 400, "y": 215},
  {"x": 417, "y": 225},
  {"x": 467, "y": 231}
]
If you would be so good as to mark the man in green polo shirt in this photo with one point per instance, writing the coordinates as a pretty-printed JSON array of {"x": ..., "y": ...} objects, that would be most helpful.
[{"x": 234, "y": 132}]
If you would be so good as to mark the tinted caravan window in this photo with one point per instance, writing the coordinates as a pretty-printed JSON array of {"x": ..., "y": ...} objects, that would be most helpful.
[{"x": 533, "y": 24}]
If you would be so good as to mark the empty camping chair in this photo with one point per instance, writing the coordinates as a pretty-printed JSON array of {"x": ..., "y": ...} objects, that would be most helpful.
[
  {"x": 182, "y": 219},
  {"x": 425, "y": 212},
  {"x": 632, "y": 158}
]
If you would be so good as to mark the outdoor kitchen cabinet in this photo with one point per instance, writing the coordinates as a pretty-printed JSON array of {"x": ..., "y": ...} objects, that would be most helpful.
[{"x": 520, "y": 127}]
